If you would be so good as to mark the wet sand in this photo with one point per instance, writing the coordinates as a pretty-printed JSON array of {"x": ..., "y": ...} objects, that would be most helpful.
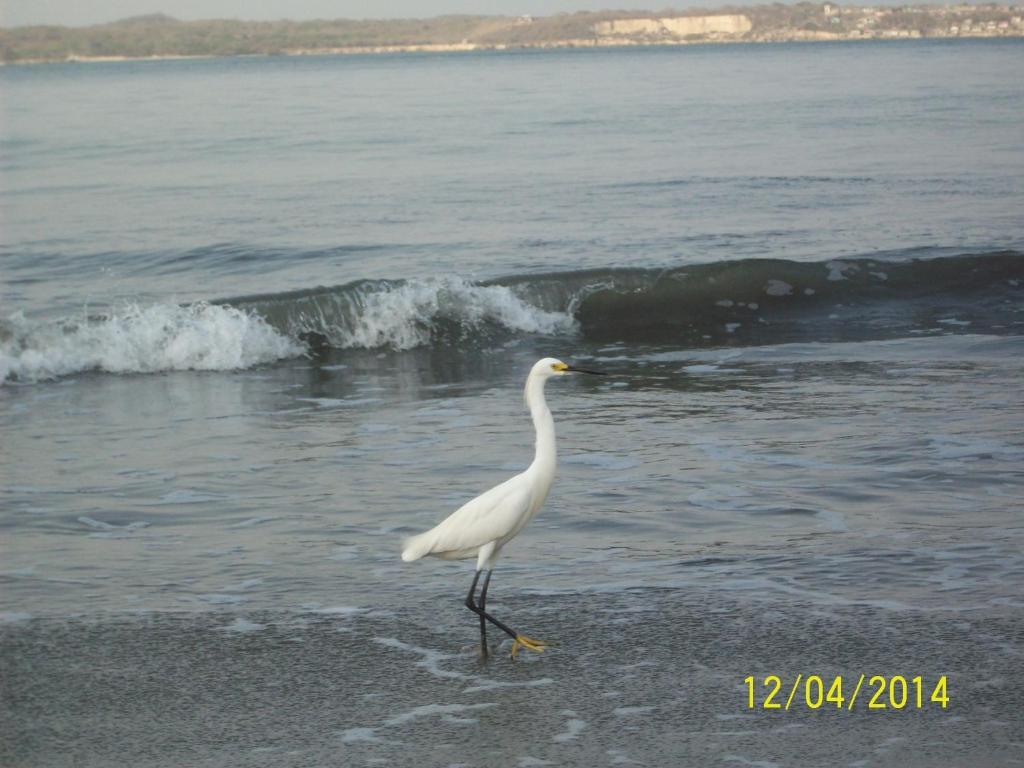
[{"x": 647, "y": 677}]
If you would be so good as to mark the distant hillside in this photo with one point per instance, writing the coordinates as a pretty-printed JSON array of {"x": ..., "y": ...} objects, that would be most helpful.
[{"x": 162, "y": 36}]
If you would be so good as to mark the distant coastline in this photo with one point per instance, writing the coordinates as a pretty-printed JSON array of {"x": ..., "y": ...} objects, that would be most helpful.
[{"x": 161, "y": 37}]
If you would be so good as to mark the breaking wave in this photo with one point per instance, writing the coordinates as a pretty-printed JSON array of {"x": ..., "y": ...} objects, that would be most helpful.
[
  {"x": 401, "y": 314},
  {"x": 135, "y": 339},
  {"x": 745, "y": 301},
  {"x": 752, "y": 301}
]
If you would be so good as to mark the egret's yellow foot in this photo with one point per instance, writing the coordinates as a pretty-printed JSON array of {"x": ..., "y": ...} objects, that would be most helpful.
[{"x": 537, "y": 646}]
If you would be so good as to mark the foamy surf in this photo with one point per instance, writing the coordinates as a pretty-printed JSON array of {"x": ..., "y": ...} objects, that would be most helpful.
[
  {"x": 400, "y": 314},
  {"x": 748, "y": 303},
  {"x": 753, "y": 301},
  {"x": 241, "y": 333},
  {"x": 141, "y": 339}
]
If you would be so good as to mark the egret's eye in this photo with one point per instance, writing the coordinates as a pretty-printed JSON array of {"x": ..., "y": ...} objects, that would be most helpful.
[{"x": 554, "y": 366}]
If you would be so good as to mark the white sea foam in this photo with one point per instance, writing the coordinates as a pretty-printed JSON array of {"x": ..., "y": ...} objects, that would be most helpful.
[
  {"x": 573, "y": 727},
  {"x": 778, "y": 288},
  {"x": 430, "y": 710},
  {"x": 431, "y": 660},
  {"x": 403, "y": 316},
  {"x": 356, "y": 735},
  {"x": 490, "y": 685},
  {"x": 137, "y": 339},
  {"x": 448, "y": 713},
  {"x": 837, "y": 270}
]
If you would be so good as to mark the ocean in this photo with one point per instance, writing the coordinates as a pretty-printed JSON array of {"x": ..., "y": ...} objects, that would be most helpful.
[{"x": 263, "y": 318}]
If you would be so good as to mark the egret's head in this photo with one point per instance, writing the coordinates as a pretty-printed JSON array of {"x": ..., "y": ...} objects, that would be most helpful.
[{"x": 550, "y": 366}]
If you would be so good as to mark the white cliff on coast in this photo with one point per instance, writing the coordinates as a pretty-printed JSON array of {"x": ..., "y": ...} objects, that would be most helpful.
[{"x": 680, "y": 26}]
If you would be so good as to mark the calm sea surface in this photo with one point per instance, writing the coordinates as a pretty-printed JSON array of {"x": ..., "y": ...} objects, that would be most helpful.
[{"x": 261, "y": 318}]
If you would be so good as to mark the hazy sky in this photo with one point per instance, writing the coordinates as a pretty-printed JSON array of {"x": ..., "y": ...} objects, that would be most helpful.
[{"x": 81, "y": 12}]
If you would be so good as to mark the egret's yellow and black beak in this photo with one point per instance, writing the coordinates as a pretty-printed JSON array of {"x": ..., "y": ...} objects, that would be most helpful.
[{"x": 574, "y": 369}]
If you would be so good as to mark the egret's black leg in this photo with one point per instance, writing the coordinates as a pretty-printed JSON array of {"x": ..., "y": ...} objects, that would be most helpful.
[
  {"x": 472, "y": 606},
  {"x": 517, "y": 639},
  {"x": 478, "y": 609},
  {"x": 472, "y": 592},
  {"x": 483, "y": 614}
]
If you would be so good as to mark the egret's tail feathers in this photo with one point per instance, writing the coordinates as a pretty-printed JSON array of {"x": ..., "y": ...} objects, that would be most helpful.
[{"x": 416, "y": 547}]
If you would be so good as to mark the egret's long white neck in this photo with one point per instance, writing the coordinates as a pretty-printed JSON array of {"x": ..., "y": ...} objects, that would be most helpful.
[{"x": 546, "y": 454}]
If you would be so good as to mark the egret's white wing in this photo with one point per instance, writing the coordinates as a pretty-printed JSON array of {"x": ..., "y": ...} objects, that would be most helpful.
[{"x": 490, "y": 516}]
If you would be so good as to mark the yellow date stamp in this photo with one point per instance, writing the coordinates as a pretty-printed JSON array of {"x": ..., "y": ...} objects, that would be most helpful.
[{"x": 875, "y": 693}]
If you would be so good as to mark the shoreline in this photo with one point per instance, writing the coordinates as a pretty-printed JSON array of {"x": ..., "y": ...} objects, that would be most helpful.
[
  {"x": 808, "y": 37},
  {"x": 295, "y": 691}
]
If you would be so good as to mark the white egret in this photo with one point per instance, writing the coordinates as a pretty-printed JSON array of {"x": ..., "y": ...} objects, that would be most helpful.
[{"x": 483, "y": 526}]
